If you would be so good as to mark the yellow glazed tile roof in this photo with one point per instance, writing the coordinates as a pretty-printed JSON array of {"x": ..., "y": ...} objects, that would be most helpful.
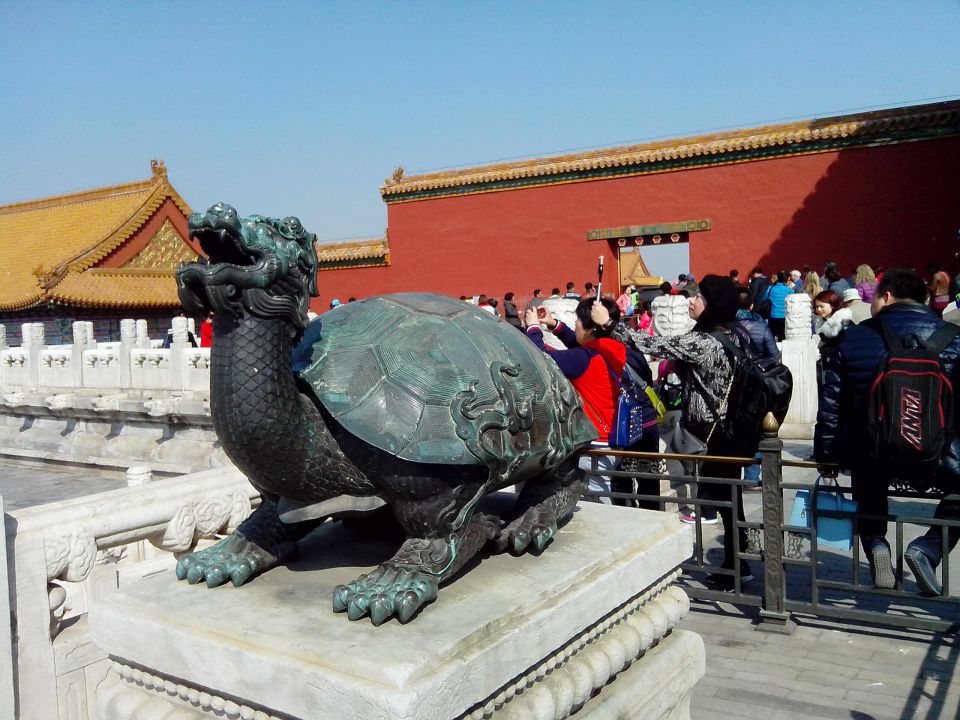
[
  {"x": 717, "y": 148},
  {"x": 121, "y": 288},
  {"x": 353, "y": 250},
  {"x": 43, "y": 241}
]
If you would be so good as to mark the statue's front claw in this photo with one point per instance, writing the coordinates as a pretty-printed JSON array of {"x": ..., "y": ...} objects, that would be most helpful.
[
  {"x": 235, "y": 559},
  {"x": 534, "y": 529},
  {"x": 389, "y": 591}
]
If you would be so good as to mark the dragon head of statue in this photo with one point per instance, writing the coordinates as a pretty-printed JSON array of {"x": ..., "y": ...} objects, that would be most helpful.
[{"x": 259, "y": 266}]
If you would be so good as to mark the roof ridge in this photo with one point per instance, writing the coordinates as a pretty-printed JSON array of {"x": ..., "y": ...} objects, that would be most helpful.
[
  {"x": 794, "y": 132},
  {"x": 79, "y": 196},
  {"x": 356, "y": 241}
]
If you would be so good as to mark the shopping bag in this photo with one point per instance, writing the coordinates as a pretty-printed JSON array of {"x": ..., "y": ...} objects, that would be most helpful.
[
  {"x": 681, "y": 441},
  {"x": 831, "y": 531}
]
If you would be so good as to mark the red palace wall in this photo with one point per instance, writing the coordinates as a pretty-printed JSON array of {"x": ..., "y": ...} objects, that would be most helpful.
[{"x": 895, "y": 205}]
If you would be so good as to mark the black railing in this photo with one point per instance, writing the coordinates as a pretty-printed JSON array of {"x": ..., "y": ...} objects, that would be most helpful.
[{"x": 794, "y": 580}]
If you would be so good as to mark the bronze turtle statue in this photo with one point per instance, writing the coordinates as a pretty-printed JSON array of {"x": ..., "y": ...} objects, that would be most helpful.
[{"x": 415, "y": 401}]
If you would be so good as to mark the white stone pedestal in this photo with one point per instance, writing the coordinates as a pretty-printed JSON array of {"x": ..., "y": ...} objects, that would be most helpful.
[
  {"x": 588, "y": 624},
  {"x": 801, "y": 355}
]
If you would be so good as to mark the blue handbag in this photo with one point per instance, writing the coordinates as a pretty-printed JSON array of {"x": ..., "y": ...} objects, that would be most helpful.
[
  {"x": 831, "y": 531},
  {"x": 628, "y": 417}
]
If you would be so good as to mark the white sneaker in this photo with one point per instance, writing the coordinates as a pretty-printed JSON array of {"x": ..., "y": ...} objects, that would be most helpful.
[{"x": 691, "y": 519}]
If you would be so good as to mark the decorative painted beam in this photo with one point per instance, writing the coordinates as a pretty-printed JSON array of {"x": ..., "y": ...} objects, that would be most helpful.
[{"x": 637, "y": 230}]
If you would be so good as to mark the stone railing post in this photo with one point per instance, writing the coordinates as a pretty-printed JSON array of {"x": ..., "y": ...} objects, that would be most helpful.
[
  {"x": 143, "y": 337},
  {"x": 800, "y": 353},
  {"x": 799, "y": 317},
  {"x": 178, "y": 344},
  {"x": 773, "y": 617},
  {"x": 32, "y": 345},
  {"x": 671, "y": 315},
  {"x": 128, "y": 341},
  {"x": 82, "y": 340}
]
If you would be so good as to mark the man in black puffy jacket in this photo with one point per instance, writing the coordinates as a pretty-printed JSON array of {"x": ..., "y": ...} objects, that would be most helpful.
[{"x": 900, "y": 305}]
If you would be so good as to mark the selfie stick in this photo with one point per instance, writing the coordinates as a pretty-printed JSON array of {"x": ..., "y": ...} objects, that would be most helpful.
[{"x": 599, "y": 278}]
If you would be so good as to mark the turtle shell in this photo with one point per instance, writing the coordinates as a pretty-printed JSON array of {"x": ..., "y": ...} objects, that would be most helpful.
[{"x": 432, "y": 379}]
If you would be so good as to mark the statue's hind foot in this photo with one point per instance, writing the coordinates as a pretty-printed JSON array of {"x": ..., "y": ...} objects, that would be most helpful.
[
  {"x": 541, "y": 507},
  {"x": 260, "y": 543},
  {"x": 411, "y": 578}
]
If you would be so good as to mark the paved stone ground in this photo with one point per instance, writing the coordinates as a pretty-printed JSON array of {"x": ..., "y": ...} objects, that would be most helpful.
[
  {"x": 25, "y": 486},
  {"x": 827, "y": 668},
  {"x": 823, "y": 670}
]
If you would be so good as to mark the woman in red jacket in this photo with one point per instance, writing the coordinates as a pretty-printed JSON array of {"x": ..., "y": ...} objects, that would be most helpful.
[{"x": 593, "y": 362}]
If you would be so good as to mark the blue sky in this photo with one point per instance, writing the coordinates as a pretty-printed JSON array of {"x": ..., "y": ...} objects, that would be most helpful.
[{"x": 305, "y": 107}]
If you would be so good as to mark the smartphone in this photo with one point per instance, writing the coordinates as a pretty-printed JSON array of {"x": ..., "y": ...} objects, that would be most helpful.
[{"x": 541, "y": 312}]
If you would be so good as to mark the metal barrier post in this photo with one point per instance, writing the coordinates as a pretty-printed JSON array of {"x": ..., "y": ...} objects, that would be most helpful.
[{"x": 773, "y": 617}]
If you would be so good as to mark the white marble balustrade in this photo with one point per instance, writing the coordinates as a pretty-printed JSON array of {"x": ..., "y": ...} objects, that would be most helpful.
[
  {"x": 64, "y": 557},
  {"x": 135, "y": 362}
]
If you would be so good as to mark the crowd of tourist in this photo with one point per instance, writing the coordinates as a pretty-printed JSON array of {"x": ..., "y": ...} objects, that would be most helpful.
[{"x": 849, "y": 317}]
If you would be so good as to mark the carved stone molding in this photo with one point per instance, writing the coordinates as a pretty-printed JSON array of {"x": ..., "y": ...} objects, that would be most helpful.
[
  {"x": 143, "y": 695},
  {"x": 71, "y": 555},
  {"x": 203, "y": 519},
  {"x": 561, "y": 684},
  {"x": 671, "y": 315}
]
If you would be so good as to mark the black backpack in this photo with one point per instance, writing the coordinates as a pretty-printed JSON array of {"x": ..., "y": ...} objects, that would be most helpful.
[
  {"x": 759, "y": 385},
  {"x": 910, "y": 422}
]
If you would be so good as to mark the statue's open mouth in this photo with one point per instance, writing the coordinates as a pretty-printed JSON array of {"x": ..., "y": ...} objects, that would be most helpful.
[{"x": 221, "y": 245}]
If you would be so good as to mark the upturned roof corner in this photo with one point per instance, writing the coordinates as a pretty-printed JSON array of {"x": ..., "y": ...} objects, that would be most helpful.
[{"x": 66, "y": 235}]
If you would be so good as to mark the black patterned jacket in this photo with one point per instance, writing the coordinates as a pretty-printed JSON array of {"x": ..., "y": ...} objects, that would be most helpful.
[{"x": 705, "y": 368}]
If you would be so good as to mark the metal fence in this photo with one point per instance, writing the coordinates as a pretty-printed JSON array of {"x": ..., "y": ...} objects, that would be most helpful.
[{"x": 799, "y": 576}]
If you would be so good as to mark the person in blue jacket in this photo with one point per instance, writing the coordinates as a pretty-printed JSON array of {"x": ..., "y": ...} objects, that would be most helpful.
[{"x": 777, "y": 295}]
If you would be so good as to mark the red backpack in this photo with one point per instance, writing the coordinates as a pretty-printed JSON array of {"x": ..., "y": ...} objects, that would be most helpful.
[{"x": 910, "y": 421}]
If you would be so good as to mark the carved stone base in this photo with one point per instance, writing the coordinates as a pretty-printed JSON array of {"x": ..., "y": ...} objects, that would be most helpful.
[{"x": 587, "y": 628}]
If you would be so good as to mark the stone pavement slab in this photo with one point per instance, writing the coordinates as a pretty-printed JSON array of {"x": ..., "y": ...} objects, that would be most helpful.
[
  {"x": 824, "y": 670},
  {"x": 26, "y": 486}
]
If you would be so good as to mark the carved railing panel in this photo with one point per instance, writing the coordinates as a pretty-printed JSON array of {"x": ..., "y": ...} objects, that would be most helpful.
[{"x": 64, "y": 555}]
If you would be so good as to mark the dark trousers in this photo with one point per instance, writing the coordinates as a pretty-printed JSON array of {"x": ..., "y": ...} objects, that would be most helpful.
[
  {"x": 870, "y": 492},
  {"x": 650, "y": 442},
  {"x": 778, "y": 326},
  {"x": 720, "y": 492},
  {"x": 870, "y": 483}
]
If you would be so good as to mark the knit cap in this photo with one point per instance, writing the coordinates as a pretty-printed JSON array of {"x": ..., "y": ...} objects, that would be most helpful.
[{"x": 721, "y": 296}]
